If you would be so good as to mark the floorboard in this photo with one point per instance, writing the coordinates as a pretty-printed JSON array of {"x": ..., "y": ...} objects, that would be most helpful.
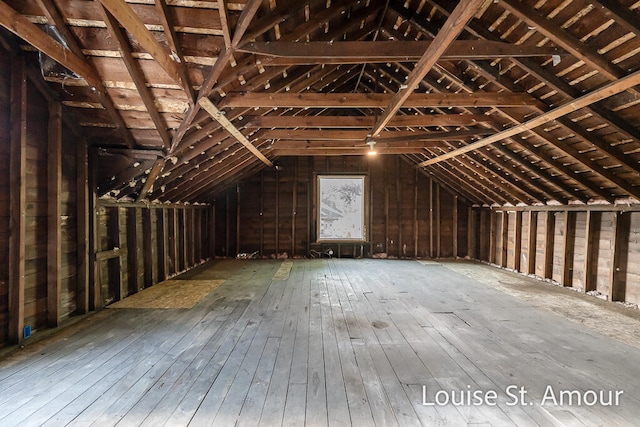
[{"x": 329, "y": 343}]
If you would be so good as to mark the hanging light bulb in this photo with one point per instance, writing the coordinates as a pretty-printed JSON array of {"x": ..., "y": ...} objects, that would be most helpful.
[{"x": 372, "y": 151}]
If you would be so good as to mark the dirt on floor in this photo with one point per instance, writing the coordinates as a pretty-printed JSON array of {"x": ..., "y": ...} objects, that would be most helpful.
[{"x": 611, "y": 319}]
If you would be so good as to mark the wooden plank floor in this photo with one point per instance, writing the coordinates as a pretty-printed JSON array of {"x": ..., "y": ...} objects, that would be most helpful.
[{"x": 337, "y": 342}]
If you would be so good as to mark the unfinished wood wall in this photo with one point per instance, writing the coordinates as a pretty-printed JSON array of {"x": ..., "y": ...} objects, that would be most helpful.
[
  {"x": 5, "y": 142},
  {"x": 593, "y": 249},
  {"x": 49, "y": 270},
  {"x": 42, "y": 208},
  {"x": 409, "y": 215},
  {"x": 138, "y": 246}
]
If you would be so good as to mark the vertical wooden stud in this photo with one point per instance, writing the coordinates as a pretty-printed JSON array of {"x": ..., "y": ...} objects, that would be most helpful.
[
  {"x": 17, "y": 199},
  {"x": 83, "y": 236},
  {"x": 438, "y": 224},
  {"x": 548, "y": 244},
  {"x": 518, "y": 242},
  {"x": 238, "y": 222},
  {"x": 504, "y": 247},
  {"x": 455, "y": 226},
  {"x": 532, "y": 242},
  {"x": 568, "y": 245},
  {"x": 293, "y": 208},
  {"x": 591, "y": 226},
  {"x": 261, "y": 213},
  {"x": 401, "y": 251},
  {"x": 471, "y": 233},
  {"x": 148, "y": 248},
  {"x": 492, "y": 237},
  {"x": 212, "y": 231},
  {"x": 132, "y": 250},
  {"x": 619, "y": 256},
  {"x": 54, "y": 214},
  {"x": 416, "y": 231},
  {"x": 431, "y": 253},
  {"x": 277, "y": 230}
]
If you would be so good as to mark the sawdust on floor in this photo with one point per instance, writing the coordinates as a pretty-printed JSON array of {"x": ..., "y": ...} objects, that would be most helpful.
[
  {"x": 170, "y": 294},
  {"x": 284, "y": 270},
  {"x": 608, "y": 318}
]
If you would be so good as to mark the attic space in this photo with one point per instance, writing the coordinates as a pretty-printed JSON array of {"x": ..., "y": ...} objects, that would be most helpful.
[{"x": 151, "y": 143}]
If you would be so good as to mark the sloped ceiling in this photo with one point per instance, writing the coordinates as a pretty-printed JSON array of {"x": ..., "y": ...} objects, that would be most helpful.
[{"x": 504, "y": 101}]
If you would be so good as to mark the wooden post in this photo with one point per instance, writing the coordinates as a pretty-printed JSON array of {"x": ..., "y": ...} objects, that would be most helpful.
[
  {"x": 517, "y": 249},
  {"x": 492, "y": 237},
  {"x": 17, "y": 199},
  {"x": 592, "y": 225},
  {"x": 166, "y": 243},
  {"x": 95, "y": 276},
  {"x": 504, "y": 247},
  {"x": 415, "y": 214},
  {"x": 132, "y": 250},
  {"x": 548, "y": 245},
  {"x": 82, "y": 223},
  {"x": 455, "y": 227},
  {"x": 212, "y": 232},
  {"x": 277, "y": 230},
  {"x": 54, "y": 213},
  {"x": 471, "y": 233},
  {"x": 148, "y": 248},
  {"x": 401, "y": 253},
  {"x": 619, "y": 255},
  {"x": 438, "y": 223},
  {"x": 430, "y": 218},
  {"x": 568, "y": 245},
  {"x": 532, "y": 242},
  {"x": 293, "y": 208},
  {"x": 261, "y": 213},
  {"x": 238, "y": 198},
  {"x": 386, "y": 218},
  {"x": 122, "y": 236}
]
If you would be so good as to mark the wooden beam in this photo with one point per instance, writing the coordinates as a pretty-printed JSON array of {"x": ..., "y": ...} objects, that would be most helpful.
[
  {"x": 221, "y": 64},
  {"x": 17, "y": 199},
  {"x": 359, "y": 52},
  {"x": 597, "y": 95},
  {"x": 248, "y": 12},
  {"x": 435, "y": 120},
  {"x": 156, "y": 170},
  {"x": 54, "y": 213},
  {"x": 136, "y": 75},
  {"x": 132, "y": 23},
  {"x": 224, "y": 21},
  {"x": 563, "y": 38},
  {"x": 359, "y": 135},
  {"x": 23, "y": 28},
  {"x": 55, "y": 18},
  {"x": 174, "y": 46},
  {"x": 225, "y": 123},
  {"x": 375, "y": 100},
  {"x": 456, "y": 22}
]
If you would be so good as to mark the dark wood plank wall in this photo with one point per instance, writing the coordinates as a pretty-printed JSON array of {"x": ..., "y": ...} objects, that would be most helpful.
[
  {"x": 39, "y": 188},
  {"x": 139, "y": 245},
  {"x": 49, "y": 270},
  {"x": 5, "y": 142},
  {"x": 274, "y": 211},
  {"x": 593, "y": 249}
]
